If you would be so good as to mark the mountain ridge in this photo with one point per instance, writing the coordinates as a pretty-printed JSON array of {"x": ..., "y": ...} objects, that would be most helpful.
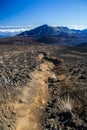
[
  {"x": 45, "y": 34},
  {"x": 56, "y": 35},
  {"x": 51, "y": 30}
]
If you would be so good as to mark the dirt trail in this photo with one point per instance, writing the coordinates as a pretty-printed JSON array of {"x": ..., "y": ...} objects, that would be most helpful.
[
  {"x": 30, "y": 106},
  {"x": 42, "y": 89},
  {"x": 34, "y": 98}
]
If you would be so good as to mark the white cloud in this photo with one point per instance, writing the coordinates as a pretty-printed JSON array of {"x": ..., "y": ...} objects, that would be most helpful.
[
  {"x": 81, "y": 27},
  {"x": 12, "y": 29},
  {"x": 18, "y": 29}
]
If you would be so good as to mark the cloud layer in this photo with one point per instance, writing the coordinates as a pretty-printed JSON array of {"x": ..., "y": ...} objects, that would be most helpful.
[
  {"x": 12, "y": 29},
  {"x": 18, "y": 29},
  {"x": 80, "y": 27}
]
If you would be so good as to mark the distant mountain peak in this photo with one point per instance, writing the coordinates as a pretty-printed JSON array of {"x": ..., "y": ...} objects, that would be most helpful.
[
  {"x": 39, "y": 31},
  {"x": 45, "y": 30},
  {"x": 56, "y": 35},
  {"x": 44, "y": 25}
]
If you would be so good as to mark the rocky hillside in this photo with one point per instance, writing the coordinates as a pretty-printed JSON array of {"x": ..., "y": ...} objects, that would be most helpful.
[{"x": 43, "y": 88}]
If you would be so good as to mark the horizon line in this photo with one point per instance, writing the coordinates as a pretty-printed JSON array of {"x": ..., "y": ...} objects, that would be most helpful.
[{"x": 77, "y": 27}]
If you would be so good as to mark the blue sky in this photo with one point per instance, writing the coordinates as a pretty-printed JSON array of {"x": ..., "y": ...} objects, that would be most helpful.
[{"x": 38, "y": 12}]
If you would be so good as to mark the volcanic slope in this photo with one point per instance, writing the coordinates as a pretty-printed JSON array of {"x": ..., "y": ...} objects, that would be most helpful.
[{"x": 42, "y": 88}]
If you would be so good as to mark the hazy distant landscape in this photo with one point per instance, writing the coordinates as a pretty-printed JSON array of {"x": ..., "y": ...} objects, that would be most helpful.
[{"x": 9, "y": 31}]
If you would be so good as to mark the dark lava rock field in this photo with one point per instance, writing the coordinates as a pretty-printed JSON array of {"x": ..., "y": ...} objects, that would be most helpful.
[{"x": 43, "y": 87}]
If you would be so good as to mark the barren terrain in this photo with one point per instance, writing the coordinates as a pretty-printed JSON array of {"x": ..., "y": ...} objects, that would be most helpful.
[{"x": 43, "y": 87}]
